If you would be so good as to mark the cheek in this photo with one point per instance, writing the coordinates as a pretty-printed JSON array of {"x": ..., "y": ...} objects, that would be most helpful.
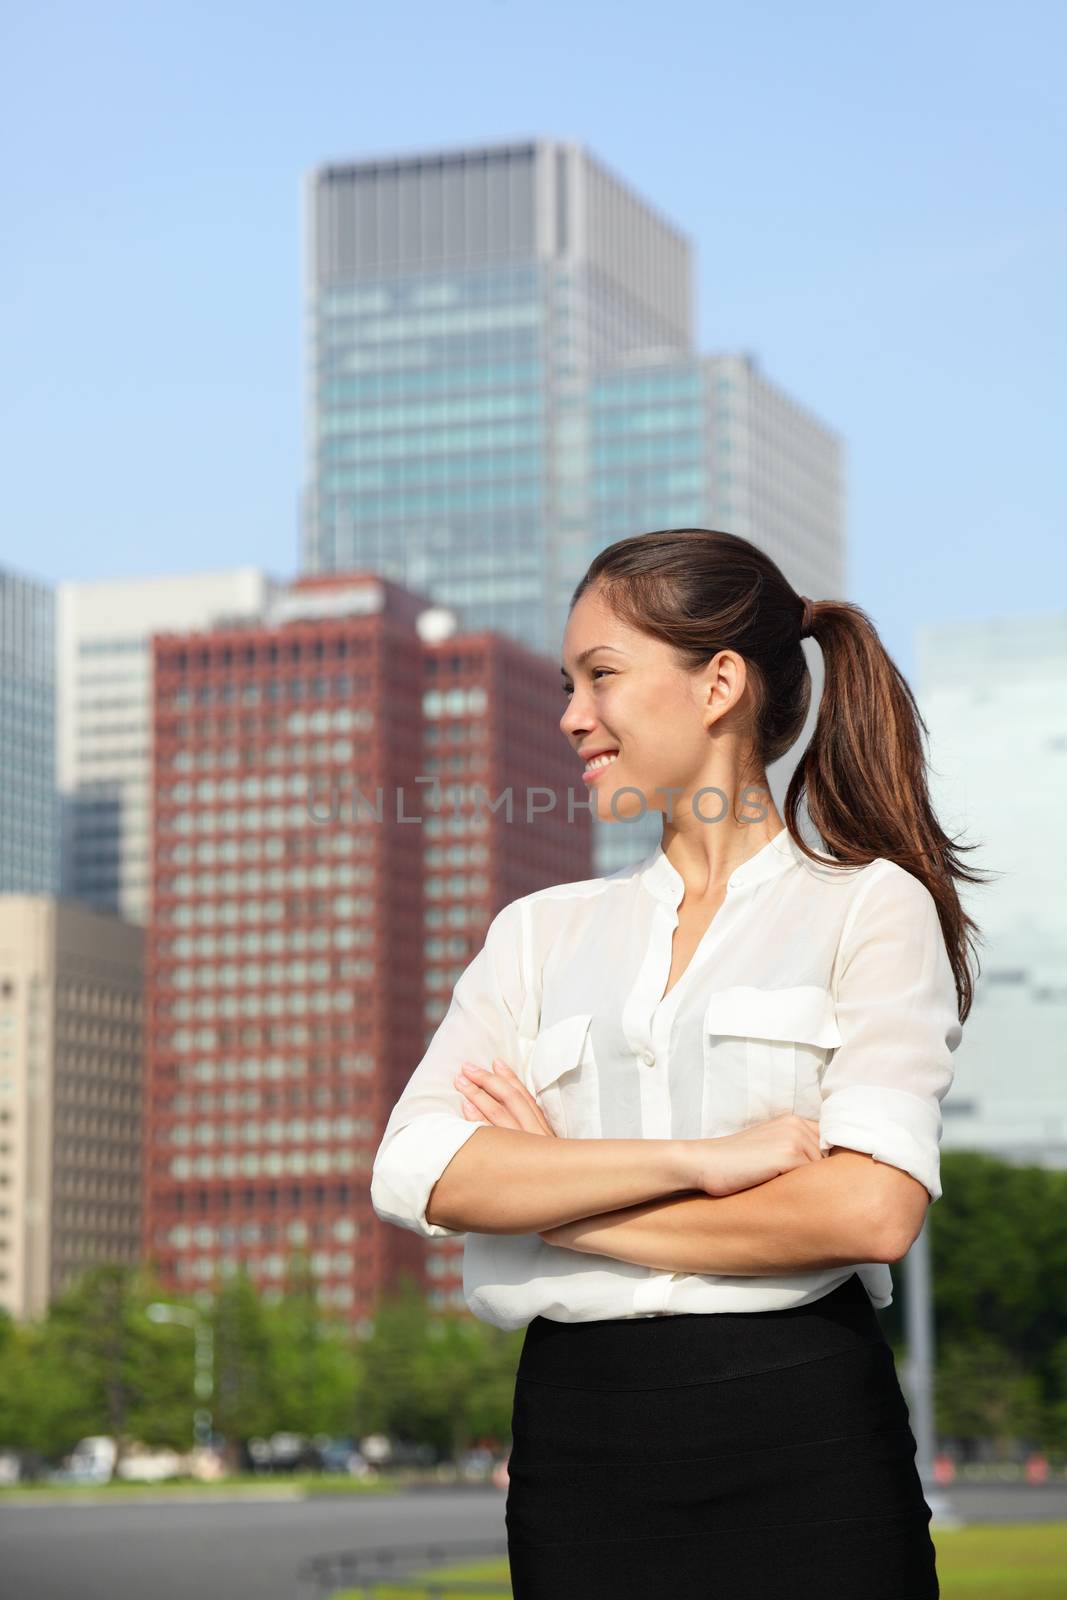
[{"x": 666, "y": 728}]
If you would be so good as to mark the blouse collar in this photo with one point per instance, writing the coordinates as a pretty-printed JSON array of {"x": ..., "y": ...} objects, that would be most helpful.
[{"x": 667, "y": 883}]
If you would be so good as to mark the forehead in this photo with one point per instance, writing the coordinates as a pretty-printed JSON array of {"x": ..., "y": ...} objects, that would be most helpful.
[{"x": 592, "y": 626}]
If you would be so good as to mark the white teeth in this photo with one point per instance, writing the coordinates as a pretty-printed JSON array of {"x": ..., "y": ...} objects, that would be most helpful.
[{"x": 600, "y": 761}]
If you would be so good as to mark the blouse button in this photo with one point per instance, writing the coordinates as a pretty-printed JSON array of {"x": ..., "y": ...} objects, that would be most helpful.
[{"x": 648, "y": 1057}]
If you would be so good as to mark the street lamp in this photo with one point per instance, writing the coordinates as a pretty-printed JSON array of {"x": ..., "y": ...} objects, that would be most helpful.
[{"x": 204, "y": 1358}]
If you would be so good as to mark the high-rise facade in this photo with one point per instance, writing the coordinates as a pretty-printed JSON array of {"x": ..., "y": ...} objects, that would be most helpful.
[
  {"x": 29, "y": 817},
  {"x": 331, "y": 836},
  {"x": 708, "y": 441},
  {"x": 993, "y": 693},
  {"x": 103, "y": 753},
  {"x": 70, "y": 1096},
  {"x": 458, "y": 303},
  {"x": 502, "y": 380}
]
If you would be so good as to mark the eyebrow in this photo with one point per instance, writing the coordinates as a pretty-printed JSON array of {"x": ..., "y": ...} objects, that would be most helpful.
[{"x": 592, "y": 648}]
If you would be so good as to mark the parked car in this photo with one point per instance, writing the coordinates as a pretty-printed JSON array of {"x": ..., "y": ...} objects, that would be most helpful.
[
  {"x": 142, "y": 1464},
  {"x": 475, "y": 1465},
  {"x": 91, "y": 1461},
  {"x": 283, "y": 1452},
  {"x": 341, "y": 1456}
]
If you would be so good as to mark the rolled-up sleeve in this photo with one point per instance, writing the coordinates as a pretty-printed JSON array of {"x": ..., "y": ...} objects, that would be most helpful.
[
  {"x": 898, "y": 1016},
  {"x": 426, "y": 1126}
]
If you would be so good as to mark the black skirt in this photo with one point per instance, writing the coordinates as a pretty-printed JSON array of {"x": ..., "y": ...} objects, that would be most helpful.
[{"x": 729, "y": 1456}]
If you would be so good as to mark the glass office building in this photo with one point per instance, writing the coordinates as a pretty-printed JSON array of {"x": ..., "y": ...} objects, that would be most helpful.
[
  {"x": 458, "y": 303},
  {"x": 29, "y": 813},
  {"x": 709, "y": 442},
  {"x": 502, "y": 380},
  {"x": 430, "y": 450}
]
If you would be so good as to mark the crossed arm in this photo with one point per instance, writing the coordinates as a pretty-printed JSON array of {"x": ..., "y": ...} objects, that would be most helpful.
[
  {"x": 827, "y": 1213},
  {"x": 641, "y": 1201}
]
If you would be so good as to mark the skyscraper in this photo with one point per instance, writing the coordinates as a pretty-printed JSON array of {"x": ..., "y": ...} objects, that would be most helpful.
[
  {"x": 331, "y": 835},
  {"x": 708, "y": 441},
  {"x": 459, "y": 301},
  {"x": 29, "y": 818},
  {"x": 502, "y": 380}
]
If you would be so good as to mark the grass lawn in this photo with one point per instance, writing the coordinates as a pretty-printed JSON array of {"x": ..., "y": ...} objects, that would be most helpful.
[
  {"x": 1024, "y": 1561},
  {"x": 283, "y": 1484}
]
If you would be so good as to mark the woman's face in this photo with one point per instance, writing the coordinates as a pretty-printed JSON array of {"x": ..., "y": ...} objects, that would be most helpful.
[{"x": 629, "y": 695}]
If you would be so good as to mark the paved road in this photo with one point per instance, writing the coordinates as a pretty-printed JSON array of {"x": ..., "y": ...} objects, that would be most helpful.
[
  {"x": 208, "y": 1551},
  {"x": 253, "y": 1551}
]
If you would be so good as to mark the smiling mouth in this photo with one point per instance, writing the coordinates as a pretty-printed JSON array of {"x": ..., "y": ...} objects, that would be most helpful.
[{"x": 599, "y": 763}]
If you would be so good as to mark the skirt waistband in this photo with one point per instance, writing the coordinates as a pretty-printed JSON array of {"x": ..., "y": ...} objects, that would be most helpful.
[{"x": 672, "y": 1350}]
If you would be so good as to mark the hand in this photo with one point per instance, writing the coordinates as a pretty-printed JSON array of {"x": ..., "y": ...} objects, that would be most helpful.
[
  {"x": 741, "y": 1160},
  {"x": 499, "y": 1097},
  {"x": 579, "y": 1234},
  {"x": 717, "y": 1167}
]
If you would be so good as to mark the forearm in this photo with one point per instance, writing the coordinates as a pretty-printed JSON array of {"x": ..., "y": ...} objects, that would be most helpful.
[
  {"x": 504, "y": 1180},
  {"x": 813, "y": 1216}
]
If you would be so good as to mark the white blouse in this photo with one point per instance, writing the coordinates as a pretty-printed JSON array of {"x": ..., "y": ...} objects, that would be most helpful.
[{"x": 817, "y": 989}]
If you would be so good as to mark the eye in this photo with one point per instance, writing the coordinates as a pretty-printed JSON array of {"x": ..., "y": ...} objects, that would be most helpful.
[{"x": 568, "y": 688}]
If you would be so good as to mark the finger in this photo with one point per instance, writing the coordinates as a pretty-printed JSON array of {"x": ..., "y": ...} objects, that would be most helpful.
[
  {"x": 507, "y": 1091},
  {"x": 511, "y": 1096},
  {"x": 810, "y": 1141},
  {"x": 526, "y": 1097},
  {"x": 487, "y": 1105},
  {"x": 487, "y": 1083},
  {"x": 808, "y": 1145},
  {"x": 811, "y": 1138}
]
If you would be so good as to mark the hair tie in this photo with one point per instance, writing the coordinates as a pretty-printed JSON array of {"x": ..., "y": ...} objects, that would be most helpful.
[{"x": 808, "y": 617}]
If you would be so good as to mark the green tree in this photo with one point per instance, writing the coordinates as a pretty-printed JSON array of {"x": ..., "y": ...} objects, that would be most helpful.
[
  {"x": 18, "y": 1373},
  {"x": 391, "y": 1398},
  {"x": 244, "y": 1404},
  {"x": 314, "y": 1360},
  {"x": 983, "y": 1394}
]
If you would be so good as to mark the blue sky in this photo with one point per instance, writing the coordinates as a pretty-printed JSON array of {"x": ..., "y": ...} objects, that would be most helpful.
[{"x": 875, "y": 196}]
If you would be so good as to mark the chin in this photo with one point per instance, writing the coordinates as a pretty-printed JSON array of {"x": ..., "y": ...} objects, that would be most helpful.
[{"x": 628, "y": 809}]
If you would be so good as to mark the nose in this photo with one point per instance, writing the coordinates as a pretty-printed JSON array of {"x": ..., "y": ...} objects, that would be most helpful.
[{"x": 575, "y": 722}]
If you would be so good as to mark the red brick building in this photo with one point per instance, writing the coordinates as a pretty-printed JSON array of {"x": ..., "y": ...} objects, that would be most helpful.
[{"x": 311, "y": 911}]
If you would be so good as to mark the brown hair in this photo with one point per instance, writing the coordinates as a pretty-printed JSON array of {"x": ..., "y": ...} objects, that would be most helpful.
[{"x": 863, "y": 771}]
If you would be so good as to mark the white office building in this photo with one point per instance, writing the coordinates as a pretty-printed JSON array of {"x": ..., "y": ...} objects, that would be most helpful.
[
  {"x": 994, "y": 696},
  {"x": 103, "y": 722}
]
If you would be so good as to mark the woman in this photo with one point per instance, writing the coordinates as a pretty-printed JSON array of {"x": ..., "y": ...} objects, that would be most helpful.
[{"x": 706, "y": 1096}]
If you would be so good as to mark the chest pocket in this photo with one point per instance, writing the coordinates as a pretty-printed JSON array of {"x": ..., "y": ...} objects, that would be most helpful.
[
  {"x": 764, "y": 1052},
  {"x": 562, "y": 1073}
]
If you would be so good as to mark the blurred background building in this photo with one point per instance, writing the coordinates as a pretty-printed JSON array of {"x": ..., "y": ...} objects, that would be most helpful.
[
  {"x": 994, "y": 696},
  {"x": 71, "y": 1067},
  {"x": 313, "y": 907},
  {"x": 29, "y": 818},
  {"x": 104, "y": 718},
  {"x": 502, "y": 380}
]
